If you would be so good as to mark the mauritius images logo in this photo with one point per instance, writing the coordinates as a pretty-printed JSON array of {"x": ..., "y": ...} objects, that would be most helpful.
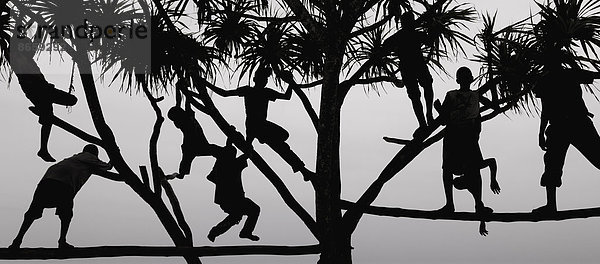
[{"x": 113, "y": 33}]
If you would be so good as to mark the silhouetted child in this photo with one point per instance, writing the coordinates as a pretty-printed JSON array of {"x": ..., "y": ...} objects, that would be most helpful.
[
  {"x": 565, "y": 121},
  {"x": 194, "y": 143},
  {"x": 461, "y": 153},
  {"x": 58, "y": 188},
  {"x": 256, "y": 101},
  {"x": 413, "y": 67},
  {"x": 40, "y": 92},
  {"x": 229, "y": 194}
]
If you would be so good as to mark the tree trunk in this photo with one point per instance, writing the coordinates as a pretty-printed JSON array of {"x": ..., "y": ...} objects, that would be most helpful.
[{"x": 334, "y": 240}]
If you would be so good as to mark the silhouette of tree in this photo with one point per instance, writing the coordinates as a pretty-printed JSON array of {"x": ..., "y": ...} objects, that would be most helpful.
[{"x": 336, "y": 45}]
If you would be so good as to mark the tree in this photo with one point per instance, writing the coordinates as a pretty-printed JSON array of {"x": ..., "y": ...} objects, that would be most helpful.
[{"x": 336, "y": 45}]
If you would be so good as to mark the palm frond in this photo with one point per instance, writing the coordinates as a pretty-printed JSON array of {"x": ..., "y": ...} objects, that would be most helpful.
[
  {"x": 307, "y": 54},
  {"x": 228, "y": 30},
  {"x": 272, "y": 47},
  {"x": 444, "y": 22}
]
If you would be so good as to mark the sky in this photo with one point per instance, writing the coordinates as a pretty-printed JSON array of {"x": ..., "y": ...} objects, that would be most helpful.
[{"x": 109, "y": 213}]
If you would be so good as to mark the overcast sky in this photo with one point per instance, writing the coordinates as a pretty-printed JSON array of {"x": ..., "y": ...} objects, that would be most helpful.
[{"x": 109, "y": 213}]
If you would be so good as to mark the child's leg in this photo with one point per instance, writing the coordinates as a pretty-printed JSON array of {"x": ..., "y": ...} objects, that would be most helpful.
[
  {"x": 187, "y": 156},
  {"x": 252, "y": 210},
  {"x": 223, "y": 226},
  {"x": 415, "y": 98},
  {"x": 27, "y": 222},
  {"x": 475, "y": 190},
  {"x": 427, "y": 85},
  {"x": 44, "y": 111},
  {"x": 44, "y": 137},
  {"x": 447, "y": 178}
]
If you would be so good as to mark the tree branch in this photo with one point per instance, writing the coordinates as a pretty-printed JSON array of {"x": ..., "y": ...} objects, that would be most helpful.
[
  {"x": 278, "y": 20},
  {"x": 468, "y": 216},
  {"x": 310, "y": 85},
  {"x": 141, "y": 251},
  {"x": 369, "y": 28},
  {"x": 74, "y": 130},
  {"x": 187, "y": 231},
  {"x": 391, "y": 79},
  {"x": 308, "y": 107}
]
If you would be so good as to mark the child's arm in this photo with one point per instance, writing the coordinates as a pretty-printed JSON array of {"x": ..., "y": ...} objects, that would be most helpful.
[
  {"x": 543, "y": 125},
  {"x": 442, "y": 109},
  {"x": 287, "y": 77},
  {"x": 226, "y": 93},
  {"x": 491, "y": 163}
]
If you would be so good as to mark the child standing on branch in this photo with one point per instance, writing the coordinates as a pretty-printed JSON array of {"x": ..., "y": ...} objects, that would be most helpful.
[
  {"x": 461, "y": 152},
  {"x": 406, "y": 44},
  {"x": 565, "y": 121}
]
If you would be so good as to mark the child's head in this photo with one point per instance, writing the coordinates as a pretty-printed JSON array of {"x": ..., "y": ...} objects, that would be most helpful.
[
  {"x": 464, "y": 76},
  {"x": 261, "y": 76},
  {"x": 407, "y": 20},
  {"x": 176, "y": 114},
  {"x": 91, "y": 148}
]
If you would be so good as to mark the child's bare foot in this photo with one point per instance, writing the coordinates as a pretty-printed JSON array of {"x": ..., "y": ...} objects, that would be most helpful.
[
  {"x": 45, "y": 156},
  {"x": 249, "y": 236},
  {"x": 420, "y": 132},
  {"x": 211, "y": 236},
  {"x": 16, "y": 244},
  {"x": 546, "y": 209},
  {"x": 64, "y": 245},
  {"x": 483, "y": 210},
  {"x": 446, "y": 209},
  {"x": 172, "y": 176}
]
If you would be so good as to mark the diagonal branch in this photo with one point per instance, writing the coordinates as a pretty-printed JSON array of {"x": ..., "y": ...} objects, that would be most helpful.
[
  {"x": 74, "y": 130},
  {"x": 372, "y": 27},
  {"x": 307, "y": 106}
]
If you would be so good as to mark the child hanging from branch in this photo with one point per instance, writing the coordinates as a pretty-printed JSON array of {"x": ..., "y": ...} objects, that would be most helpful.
[
  {"x": 229, "y": 194},
  {"x": 40, "y": 92},
  {"x": 461, "y": 152},
  {"x": 256, "y": 101},
  {"x": 194, "y": 143}
]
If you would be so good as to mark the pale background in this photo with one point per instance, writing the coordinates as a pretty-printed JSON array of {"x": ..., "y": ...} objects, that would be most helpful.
[{"x": 109, "y": 213}]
